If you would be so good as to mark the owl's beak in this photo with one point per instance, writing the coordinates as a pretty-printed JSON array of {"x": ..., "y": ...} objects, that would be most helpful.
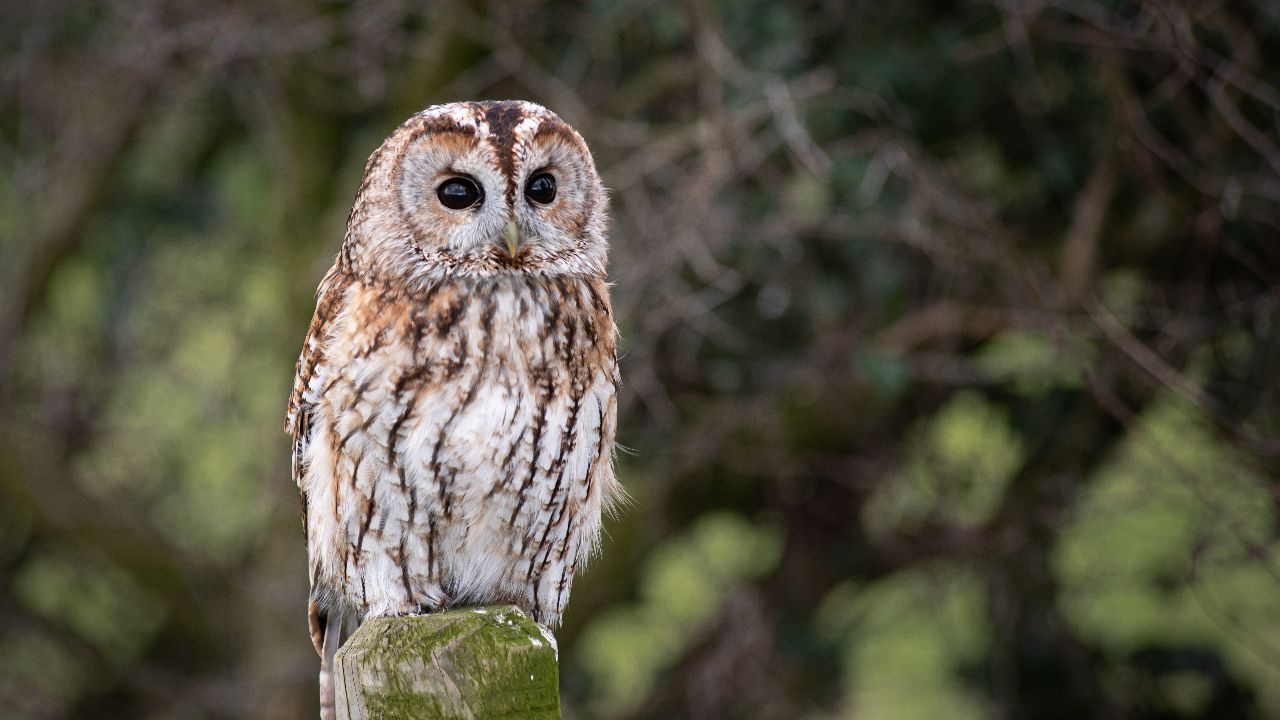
[{"x": 512, "y": 235}]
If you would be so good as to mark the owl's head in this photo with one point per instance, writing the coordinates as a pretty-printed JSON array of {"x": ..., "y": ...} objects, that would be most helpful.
[{"x": 478, "y": 189}]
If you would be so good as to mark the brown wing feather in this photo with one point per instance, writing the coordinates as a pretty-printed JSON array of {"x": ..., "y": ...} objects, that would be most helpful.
[
  {"x": 298, "y": 416},
  {"x": 330, "y": 293}
]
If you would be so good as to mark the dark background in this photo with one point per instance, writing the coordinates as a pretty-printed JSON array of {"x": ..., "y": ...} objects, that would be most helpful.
[{"x": 949, "y": 331}]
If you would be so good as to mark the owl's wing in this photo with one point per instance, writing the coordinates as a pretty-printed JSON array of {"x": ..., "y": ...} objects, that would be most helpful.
[
  {"x": 328, "y": 298},
  {"x": 298, "y": 417}
]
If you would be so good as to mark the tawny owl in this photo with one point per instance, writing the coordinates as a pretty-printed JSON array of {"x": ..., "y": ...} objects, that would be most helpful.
[{"x": 454, "y": 408}]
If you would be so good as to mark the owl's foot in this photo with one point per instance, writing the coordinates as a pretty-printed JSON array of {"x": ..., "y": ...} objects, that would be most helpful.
[{"x": 445, "y": 603}]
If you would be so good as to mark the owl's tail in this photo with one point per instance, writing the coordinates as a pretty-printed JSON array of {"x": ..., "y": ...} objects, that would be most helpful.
[{"x": 327, "y": 634}]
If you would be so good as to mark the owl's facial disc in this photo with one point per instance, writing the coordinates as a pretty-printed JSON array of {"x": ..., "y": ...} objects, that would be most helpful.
[{"x": 492, "y": 189}]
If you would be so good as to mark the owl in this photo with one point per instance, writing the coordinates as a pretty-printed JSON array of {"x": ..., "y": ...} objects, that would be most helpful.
[{"x": 454, "y": 409}]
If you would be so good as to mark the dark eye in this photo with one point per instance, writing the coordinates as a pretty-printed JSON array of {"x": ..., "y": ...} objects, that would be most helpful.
[
  {"x": 458, "y": 193},
  {"x": 541, "y": 188}
]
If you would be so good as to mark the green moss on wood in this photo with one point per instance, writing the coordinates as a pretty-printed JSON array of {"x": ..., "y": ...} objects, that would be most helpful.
[{"x": 492, "y": 662}]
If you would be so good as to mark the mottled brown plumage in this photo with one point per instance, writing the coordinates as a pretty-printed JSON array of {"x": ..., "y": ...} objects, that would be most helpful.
[{"x": 454, "y": 407}]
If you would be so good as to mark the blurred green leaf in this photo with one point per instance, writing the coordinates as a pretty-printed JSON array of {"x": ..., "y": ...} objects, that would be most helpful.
[
  {"x": 1027, "y": 361},
  {"x": 98, "y": 600},
  {"x": 681, "y": 587},
  {"x": 956, "y": 469},
  {"x": 909, "y": 640},
  {"x": 1164, "y": 549}
]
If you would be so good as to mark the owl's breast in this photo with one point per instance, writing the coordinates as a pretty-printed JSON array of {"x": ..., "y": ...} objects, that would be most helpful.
[
  {"x": 520, "y": 381},
  {"x": 468, "y": 431}
]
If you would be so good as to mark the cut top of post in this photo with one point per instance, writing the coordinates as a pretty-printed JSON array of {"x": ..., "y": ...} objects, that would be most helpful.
[{"x": 489, "y": 662}]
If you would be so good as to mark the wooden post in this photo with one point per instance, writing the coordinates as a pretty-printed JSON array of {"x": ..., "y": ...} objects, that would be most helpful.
[{"x": 490, "y": 662}]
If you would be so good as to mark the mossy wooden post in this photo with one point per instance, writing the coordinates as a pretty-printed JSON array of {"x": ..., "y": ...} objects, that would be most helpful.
[{"x": 491, "y": 662}]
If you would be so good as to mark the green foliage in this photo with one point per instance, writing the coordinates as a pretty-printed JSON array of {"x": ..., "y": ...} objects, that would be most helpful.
[
  {"x": 1028, "y": 363},
  {"x": 957, "y": 466},
  {"x": 1170, "y": 546},
  {"x": 193, "y": 402},
  {"x": 908, "y": 642},
  {"x": 99, "y": 601},
  {"x": 681, "y": 586}
]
